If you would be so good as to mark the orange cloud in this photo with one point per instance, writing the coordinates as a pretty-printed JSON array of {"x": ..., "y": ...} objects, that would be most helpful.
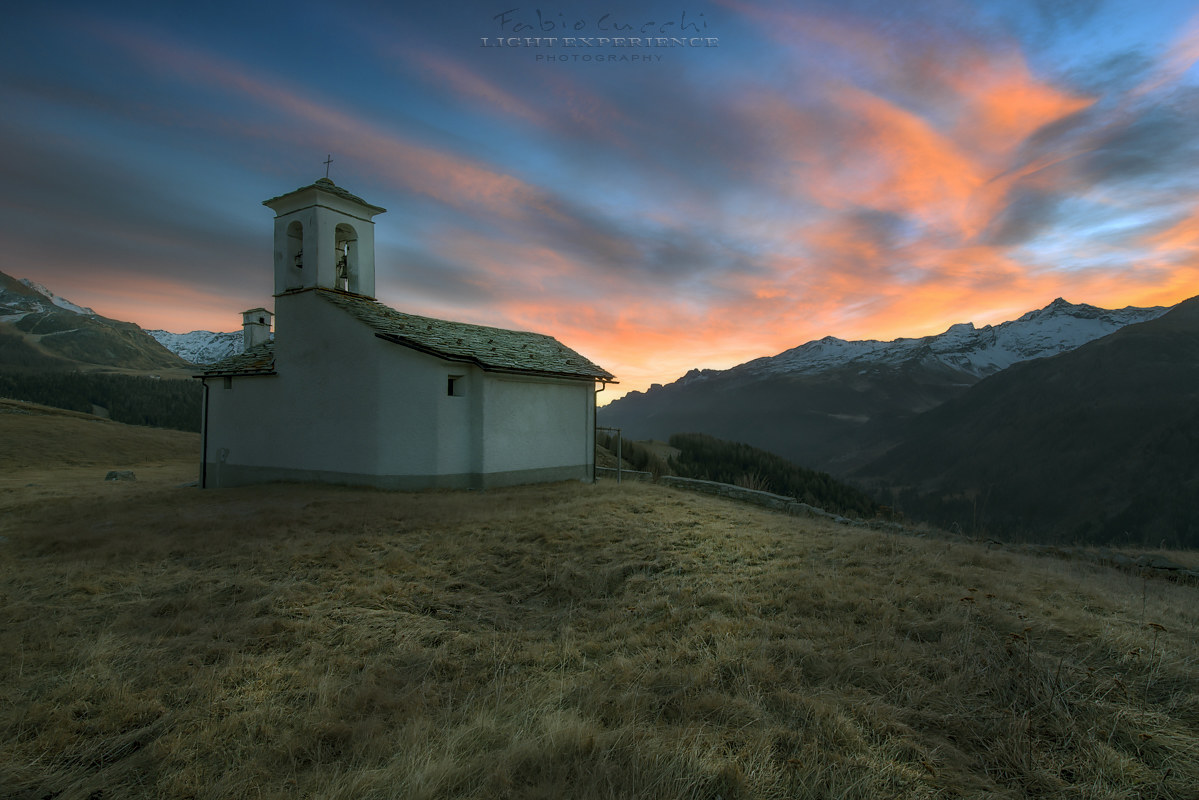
[
  {"x": 156, "y": 303},
  {"x": 933, "y": 136},
  {"x": 1180, "y": 239},
  {"x": 898, "y": 161},
  {"x": 909, "y": 167},
  {"x": 937, "y": 153},
  {"x": 1001, "y": 103}
]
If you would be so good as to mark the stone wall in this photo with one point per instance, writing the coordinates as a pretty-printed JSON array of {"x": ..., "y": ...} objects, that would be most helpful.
[{"x": 777, "y": 502}]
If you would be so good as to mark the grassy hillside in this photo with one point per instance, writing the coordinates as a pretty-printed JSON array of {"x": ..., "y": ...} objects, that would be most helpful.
[
  {"x": 46, "y": 438},
  {"x": 562, "y": 641}
]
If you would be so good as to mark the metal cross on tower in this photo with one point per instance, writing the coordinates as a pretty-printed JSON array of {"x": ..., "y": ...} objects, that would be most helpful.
[{"x": 327, "y": 162}]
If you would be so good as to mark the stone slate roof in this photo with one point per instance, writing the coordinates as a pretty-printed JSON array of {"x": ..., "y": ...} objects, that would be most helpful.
[
  {"x": 492, "y": 349},
  {"x": 326, "y": 185},
  {"x": 258, "y": 360}
]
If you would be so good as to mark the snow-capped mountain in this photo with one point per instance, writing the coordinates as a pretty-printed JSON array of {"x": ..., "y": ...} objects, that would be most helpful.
[
  {"x": 1056, "y": 328},
  {"x": 200, "y": 347},
  {"x": 61, "y": 302},
  {"x": 831, "y": 404},
  {"x": 23, "y": 296}
]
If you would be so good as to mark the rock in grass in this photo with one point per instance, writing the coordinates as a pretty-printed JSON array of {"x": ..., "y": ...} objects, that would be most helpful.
[
  {"x": 1158, "y": 562},
  {"x": 120, "y": 475}
]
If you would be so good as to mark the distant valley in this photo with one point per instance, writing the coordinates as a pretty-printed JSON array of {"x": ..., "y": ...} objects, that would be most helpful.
[{"x": 1072, "y": 423}]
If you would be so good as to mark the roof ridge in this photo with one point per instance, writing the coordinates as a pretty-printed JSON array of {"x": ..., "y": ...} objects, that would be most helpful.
[
  {"x": 326, "y": 185},
  {"x": 258, "y": 360},
  {"x": 410, "y": 315},
  {"x": 492, "y": 348}
]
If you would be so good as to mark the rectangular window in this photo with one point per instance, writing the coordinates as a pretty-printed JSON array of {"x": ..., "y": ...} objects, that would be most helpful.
[
  {"x": 228, "y": 382},
  {"x": 454, "y": 386}
]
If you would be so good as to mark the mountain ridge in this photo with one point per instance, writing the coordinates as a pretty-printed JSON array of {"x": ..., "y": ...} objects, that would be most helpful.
[
  {"x": 1028, "y": 336},
  {"x": 201, "y": 347},
  {"x": 832, "y": 404}
]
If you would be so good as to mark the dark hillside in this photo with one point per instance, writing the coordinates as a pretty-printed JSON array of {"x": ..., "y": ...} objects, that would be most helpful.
[
  {"x": 708, "y": 458},
  {"x": 825, "y": 421},
  {"x": 1098, "y": 444},
  {"x": 132, "y": 399}
]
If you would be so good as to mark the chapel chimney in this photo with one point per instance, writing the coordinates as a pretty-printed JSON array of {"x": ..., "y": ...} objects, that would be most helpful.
[{"x": 255, "y": 327}]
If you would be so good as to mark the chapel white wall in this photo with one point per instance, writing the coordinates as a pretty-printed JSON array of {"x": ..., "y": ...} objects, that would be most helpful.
[
  {"x": 319, "y": 412},
  {"x": 345, "y": 402},
  {"x": 537, "y": 423}
]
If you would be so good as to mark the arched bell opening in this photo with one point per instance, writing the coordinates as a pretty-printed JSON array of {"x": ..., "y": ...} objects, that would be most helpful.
[
  {"x": 294, "y": 257},
  {"x": 345, "y": 257}
]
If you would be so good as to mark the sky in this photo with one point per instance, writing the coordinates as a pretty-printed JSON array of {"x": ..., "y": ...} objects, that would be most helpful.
[{"x": 660, "y": 185}]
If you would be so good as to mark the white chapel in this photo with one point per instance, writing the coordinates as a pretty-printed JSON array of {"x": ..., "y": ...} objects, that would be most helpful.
[{"x": 351, "y": 391}]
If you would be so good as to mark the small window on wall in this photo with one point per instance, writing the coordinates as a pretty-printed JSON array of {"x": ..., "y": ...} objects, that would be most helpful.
[
  {"x": 455, "y": 385},
  {"x": 228, "y": 382}
]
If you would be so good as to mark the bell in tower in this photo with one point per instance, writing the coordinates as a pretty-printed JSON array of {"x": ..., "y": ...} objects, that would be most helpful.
[{"x": 324, "y": 237}]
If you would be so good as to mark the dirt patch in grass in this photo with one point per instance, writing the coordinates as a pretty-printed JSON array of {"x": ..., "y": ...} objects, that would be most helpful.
[{"x": 565, "y": 641}]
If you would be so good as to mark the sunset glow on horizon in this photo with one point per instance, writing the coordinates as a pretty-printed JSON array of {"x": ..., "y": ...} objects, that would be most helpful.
[{"x": 761, "y": 175}]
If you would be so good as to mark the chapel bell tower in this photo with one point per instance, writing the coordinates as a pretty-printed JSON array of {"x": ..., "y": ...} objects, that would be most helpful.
[{"x": 324, "y": 237}]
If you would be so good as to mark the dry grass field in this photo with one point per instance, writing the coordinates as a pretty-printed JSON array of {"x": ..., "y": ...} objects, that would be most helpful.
[
  {"x": 48, "y": 452},
  {"x": 560, "y": 641}
]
